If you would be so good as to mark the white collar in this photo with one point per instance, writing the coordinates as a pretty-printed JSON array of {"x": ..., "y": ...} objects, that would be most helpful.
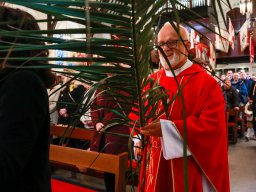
[{"x": 179, "y": 70}]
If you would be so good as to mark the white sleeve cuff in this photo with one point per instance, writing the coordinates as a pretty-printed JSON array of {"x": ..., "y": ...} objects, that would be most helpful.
[{"x": 172, "y": 143}]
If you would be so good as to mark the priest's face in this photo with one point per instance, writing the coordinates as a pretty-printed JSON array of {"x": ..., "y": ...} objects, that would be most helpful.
[{"x": 172, "y": 46}]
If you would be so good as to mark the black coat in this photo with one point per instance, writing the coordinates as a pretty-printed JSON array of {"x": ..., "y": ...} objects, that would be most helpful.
[
  {"x": 24, "y": 133},
  {"x": 70, "y": 101},
  {"x": 232, "y": 98}
]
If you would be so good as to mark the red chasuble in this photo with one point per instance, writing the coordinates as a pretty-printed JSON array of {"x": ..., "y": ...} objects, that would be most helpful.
[{"x": 206, "y": 137}]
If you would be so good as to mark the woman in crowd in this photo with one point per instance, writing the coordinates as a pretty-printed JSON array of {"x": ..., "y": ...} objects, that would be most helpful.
[{"x": 109, "y": 138}]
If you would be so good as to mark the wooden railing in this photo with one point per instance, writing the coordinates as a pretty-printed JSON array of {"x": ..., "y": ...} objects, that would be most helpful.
[
  {"x": 78, "y": 159},
  {"x": 71, "y": 132}
]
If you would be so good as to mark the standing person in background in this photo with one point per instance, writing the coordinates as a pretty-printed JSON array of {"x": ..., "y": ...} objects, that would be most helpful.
[
  {"x": 249, "y": 117},
  {"x": 54, "y": 93},
  {"x": 106, "y": 141},
  {"x": 246, "y": 80},
  {"x": 162, "y": 163},
  {"x": 68, "y": 103},
  {"x": 86, "y": 117},
  {"x": 230, "y": 75},
  {"x": 241, "y": 89},
  {"x": 68, "y": 107},
  {"x": 24, "y": 110}
]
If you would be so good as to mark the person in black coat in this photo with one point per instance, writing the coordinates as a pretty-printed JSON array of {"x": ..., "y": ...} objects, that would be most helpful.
[
  {"x": 68, "y": 104},
  {"x": 68, "y": 107},
  {"x": 230, "y": 95},
  {"x": 24, "y": 112}
]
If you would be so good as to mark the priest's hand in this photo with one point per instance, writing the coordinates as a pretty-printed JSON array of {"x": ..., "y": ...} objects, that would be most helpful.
[
  {"x": 99, "y": 126},
  {"x": 153, "y": 129}
]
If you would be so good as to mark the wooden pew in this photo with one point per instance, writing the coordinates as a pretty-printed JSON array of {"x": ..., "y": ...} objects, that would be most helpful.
[
  {"x": 75, "y": 159},
  {"x": 232, "y": 125},
  {"x": 75, "y": 133}
]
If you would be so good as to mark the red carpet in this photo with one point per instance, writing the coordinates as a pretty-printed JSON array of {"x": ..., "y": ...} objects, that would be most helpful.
[{"x": 60, "y": 186}]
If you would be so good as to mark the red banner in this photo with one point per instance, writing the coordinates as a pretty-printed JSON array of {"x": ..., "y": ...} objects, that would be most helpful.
[
  {"x": 231, "y": 33},
  {"x": 212, "y": 58},
  {"x": 244, "y": 36},
  {"x": 202, "y": 52},
  {"x": 251, "y": 49},
  {"x": 222, "y": 40},
  {"x": 194, "y": 38}
]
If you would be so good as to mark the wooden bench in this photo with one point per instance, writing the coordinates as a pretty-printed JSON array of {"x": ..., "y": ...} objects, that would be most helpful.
[
  {"x": 77, "y": 159},
  {"x": 232, "y": 125},
  {"x": 72, "y": 132}
]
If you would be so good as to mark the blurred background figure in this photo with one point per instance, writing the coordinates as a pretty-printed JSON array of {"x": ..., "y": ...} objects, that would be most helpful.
[
  {"x": 86, "y": 117},
  {"x": 231, "y": 95},
  {"x": 114, "y": 139},
  {"x": 54, "y": 93},
  {"x": 229, "y": 74},
  {"x": 246, "y": 80},
  {"x": 68, "y": 104},
  {"x": 220, "y": 81},
  {"x": 241, "y": 89},
  {"x": 253, "y": 77},
  {"x": 249, "y": 117}
]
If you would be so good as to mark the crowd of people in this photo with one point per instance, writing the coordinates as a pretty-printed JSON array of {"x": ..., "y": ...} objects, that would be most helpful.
[{"x": 238, "y": 91}]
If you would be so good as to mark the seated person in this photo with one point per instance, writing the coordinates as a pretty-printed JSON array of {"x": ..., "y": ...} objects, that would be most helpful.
[{"x": 231, "y": 95}]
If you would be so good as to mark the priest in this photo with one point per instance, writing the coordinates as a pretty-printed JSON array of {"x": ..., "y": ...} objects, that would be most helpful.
[{"x": 200, "y": 108}]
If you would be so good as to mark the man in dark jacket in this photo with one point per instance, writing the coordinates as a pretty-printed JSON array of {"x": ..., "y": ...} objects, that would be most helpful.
[
  {"x": 231, "y": 95},
  {"x": 241, "y": 89}
]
